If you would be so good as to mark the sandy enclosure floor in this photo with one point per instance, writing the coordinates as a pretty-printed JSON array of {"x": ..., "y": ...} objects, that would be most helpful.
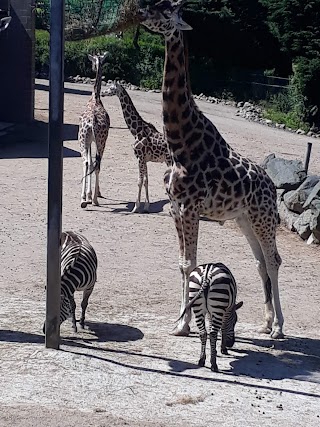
[{"x": 126, "y": 369}]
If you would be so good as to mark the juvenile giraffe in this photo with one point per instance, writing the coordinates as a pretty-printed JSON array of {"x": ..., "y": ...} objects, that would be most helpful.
[
  {"x": 208, "y": 177},
  {"x": 149, "y": 144},
  {"x": 94, "y": 126}
]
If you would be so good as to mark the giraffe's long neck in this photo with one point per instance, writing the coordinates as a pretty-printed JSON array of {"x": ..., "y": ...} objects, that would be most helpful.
[
  {"x": 97, "y": 83},
  {"x": 131, "y": 116},
  {"x": 180, "y": 113}
]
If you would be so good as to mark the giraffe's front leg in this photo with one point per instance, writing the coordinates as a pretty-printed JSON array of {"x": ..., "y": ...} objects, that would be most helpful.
[{"x": 188, "y": 239}]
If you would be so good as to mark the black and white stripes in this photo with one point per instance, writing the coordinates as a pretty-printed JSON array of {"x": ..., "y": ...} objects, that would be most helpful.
[
  {"x": 78, "y": 273},
  {"x": 213, "y": 290}
]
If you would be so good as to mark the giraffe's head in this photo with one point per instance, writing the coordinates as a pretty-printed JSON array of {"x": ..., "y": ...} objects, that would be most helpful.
[
  {"x": 112, "y": 89},
  {"x": 97, "y": 60},
  {"x": 164, "y": 17},
  {"x": 4, "y": 23}
]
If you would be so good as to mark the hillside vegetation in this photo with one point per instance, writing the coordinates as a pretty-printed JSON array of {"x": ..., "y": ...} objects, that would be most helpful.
[{"x": 242, "y": 49}]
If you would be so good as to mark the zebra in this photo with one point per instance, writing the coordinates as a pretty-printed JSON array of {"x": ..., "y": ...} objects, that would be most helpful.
[
  {"x": 78, "y": 273},
  {"x": 213, "y": 290}
]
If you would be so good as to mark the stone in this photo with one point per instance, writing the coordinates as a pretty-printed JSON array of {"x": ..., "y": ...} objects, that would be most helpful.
[
  {"x": 240, "y": 104},
  {"x": 296, "y": 200},
  {"x": 268, "y": 122},
  {"x": 287, "y": 217},
  {"x": 300, "y": 132},
  {"x": 302, "y": 224},
  {"x": 314, "y": 192},
  {"x": 286, "y": 174}
]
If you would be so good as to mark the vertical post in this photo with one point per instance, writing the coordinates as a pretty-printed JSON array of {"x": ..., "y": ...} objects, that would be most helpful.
[
  {"x": 307, "y": 159},
  {"x": 55, "y": 170}
]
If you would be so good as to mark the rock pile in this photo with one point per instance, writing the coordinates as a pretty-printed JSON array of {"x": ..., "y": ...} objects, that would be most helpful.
[
  {"x": 252, "y": 112},
  {"x": 298, "y": 196}
]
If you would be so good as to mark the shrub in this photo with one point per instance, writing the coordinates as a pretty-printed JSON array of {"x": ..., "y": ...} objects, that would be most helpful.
[{"x": 139, "y": 66}]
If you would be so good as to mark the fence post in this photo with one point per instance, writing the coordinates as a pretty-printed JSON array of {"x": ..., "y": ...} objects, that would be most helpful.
[
  {"x": 55, "y": 166},
  {"x": 307, "y": 158}
]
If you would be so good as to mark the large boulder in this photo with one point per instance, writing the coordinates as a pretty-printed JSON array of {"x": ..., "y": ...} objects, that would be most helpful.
[
  {"x": 288, "y": 218},
  {"x": 309, "y": 221},
  {"x": 286, "y": 174},
  {"x": 295, "y": 200},
  {"x": 302, "y": 224}
]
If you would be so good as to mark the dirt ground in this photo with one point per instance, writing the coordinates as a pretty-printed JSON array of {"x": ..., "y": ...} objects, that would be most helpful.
[{"x": 126, "y": 369}]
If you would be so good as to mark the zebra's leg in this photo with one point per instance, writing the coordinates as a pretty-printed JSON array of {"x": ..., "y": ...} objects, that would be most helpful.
[
  {"x": 84, "y": 305},
  {"x": 146, "y": 187},
  {"x": 73, "y": 313},
  {"x": 213, "y": 344},
  {"x": 248, "y": 232},
  {"x": 142, "y": 166},
  {"x": 200, "y": 321}
]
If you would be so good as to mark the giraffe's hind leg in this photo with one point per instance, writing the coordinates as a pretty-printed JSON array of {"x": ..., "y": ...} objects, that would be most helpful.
[
  {"x": 146, "y": 187},
  {"x": 84, "y": 183},
  {"x": 142, "y": 167},
  {"x": 262, "y": 240},
  {"x": 99, "y": 154}
]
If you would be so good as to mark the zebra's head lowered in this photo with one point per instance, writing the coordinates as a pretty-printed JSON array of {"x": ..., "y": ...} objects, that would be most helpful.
[
  {"x": 228, "y": 324},
  {"x": 65, "y": 311}
]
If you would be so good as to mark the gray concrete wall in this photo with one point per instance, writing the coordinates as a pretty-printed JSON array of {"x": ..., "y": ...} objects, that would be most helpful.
[{"x": 17, "y": 63}]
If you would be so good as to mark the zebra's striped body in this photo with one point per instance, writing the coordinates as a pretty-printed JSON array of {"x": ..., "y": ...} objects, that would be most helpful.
[
  {"x": 213, "y": 290},
  {"x": 78, "y": 273}
]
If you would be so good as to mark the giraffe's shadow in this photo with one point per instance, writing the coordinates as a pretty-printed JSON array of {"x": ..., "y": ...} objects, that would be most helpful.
[{"x": 155, "y": 207}]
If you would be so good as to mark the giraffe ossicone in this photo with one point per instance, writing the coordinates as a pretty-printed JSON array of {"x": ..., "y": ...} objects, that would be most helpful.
[
  {"x": 4, "y": 23},
  {"x": 208, "y": 177},
  {"x": 149, "y": 144},
  {"x": 94, "y": 126}
]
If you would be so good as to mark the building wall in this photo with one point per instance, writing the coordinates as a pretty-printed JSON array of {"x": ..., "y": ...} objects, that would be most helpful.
[{"x": 17, "y": 63}]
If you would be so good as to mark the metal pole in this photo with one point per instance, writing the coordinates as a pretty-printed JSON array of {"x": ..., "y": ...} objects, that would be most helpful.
[
  {"x": 55, "y": 173},
  {"x": 307, "y": 159}
]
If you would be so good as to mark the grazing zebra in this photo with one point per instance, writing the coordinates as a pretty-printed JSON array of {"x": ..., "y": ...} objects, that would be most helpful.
[
  {"x": 213, "y": 290},
  {"x": 78, "y": 273}
]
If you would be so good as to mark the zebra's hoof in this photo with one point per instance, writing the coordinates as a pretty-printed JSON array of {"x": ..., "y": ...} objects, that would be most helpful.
[
  {"x": 214, "y": 368},
  {"x": 84, "y": 204},
  {"x": 224, "y": 351},
  {"x": 96, "y": 203}
]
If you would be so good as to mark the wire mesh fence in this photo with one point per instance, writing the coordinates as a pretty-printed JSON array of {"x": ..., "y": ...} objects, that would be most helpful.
[{"x": 89, "y": 18}]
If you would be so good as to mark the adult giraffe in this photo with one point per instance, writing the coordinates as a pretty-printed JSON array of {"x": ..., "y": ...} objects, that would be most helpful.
[{"x": 208, "y": 177}]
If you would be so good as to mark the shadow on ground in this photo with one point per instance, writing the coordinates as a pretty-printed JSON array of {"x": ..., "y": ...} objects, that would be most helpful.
[
  {"x": 39, "y": 86},
  {"x": 296, "y": 357},
  {"x": 299, "y": 359},
  {"x": 31, "y": 141}
]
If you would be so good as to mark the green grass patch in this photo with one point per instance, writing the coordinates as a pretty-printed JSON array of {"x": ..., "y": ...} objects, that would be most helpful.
[{"x": 290, "y": 119}]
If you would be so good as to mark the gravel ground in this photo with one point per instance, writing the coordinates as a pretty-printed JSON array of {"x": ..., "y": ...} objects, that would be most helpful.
[{"x": 126, "y": 369}]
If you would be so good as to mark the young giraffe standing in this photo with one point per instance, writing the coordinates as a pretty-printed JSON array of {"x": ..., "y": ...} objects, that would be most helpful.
[
  {"x": 149, "y": 144},
  {"x": 94, "y": 126},
  {"x": 208, "y": 177}
]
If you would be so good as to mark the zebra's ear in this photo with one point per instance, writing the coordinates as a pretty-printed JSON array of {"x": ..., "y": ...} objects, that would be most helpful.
[{"x": 238, "y": 305}]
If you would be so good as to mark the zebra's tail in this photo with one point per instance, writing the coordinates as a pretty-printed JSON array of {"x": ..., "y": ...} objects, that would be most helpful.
[{"x": 204, "y": 285}]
